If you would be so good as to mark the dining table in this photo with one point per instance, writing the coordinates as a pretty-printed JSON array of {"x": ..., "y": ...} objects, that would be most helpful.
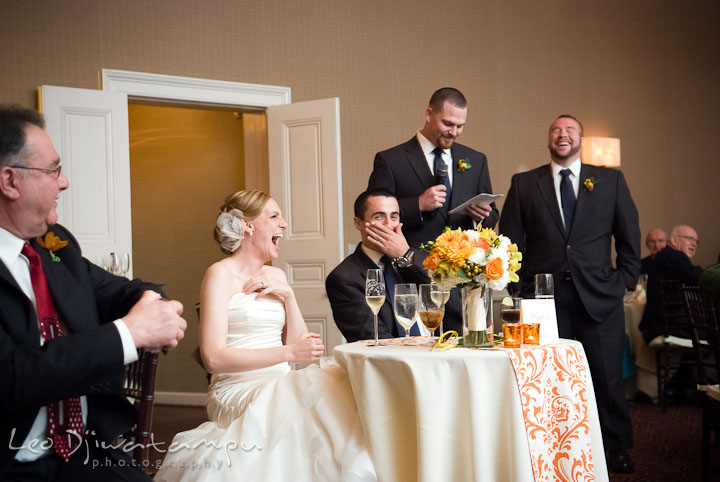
[
  {"x": 520, "y": 414},
  {"x": 645, "y": 377}
]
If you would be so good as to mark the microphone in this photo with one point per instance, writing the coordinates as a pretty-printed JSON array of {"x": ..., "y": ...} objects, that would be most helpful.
[{"x": 441, "y": 173}]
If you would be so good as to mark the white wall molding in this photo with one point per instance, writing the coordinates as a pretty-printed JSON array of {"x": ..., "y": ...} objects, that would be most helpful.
[{"x": 172, "y": 88}]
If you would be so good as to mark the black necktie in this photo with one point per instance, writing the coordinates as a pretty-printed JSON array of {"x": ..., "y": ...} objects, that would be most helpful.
[
  {"x": 391, "y": 279},
  {"x": 567, "y": 198},
  {"x": 439, "y": 162}
]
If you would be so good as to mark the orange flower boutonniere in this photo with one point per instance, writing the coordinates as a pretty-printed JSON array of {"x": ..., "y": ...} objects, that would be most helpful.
[
  {"x": 52, "y": 243},
  {"x": 463, "y": 165},
  {"x": 589, "y": 184}
]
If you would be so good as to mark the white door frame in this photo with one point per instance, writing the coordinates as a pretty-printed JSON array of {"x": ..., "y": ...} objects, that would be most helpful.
[{"x": 172, "y": 88}]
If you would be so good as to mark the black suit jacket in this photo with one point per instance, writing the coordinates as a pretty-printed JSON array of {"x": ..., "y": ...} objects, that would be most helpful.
[
  {"x": 531, "y": 218},
  {"x": 345, "y": 287},
  {"x": 404, "y": 171},
  {"x": 88, "y": 361},
  {"x": 668, "y": 263}
]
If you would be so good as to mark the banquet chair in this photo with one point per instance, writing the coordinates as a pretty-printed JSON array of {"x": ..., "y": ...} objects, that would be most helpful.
[
  {"x": 671, "y": 351},
  {"x": 140, "y": 390},
  {"x": 706, "y": 344}
]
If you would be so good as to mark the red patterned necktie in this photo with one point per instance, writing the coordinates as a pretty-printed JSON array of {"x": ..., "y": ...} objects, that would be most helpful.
[{"x": 50, "y": 328}]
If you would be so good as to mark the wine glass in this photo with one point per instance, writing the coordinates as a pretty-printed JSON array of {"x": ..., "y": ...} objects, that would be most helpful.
[
  {"x": 375, "y": 294},
  {"x": 445, "y": 294},
  {"x": 119, "y": 264},
  {"x": 432, "y": 307},
  {"x": 405, "y": 301}
]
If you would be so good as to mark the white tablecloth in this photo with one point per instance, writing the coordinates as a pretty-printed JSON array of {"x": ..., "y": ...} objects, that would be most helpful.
[
  {"x": 645, "y": 378},
  {"x": 453, "y": 415}
]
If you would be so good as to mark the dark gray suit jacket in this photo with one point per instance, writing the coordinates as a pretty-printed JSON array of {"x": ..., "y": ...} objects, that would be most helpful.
[
  {"x": 88, "y": 361},
  {"x": 345, "y": 287},
  {"x": 531, "y": 218},
  {"x": 404, "y": 171}
]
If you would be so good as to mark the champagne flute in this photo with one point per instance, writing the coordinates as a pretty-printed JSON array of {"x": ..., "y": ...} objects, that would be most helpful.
[
  {"x": 432, "y": 308},
  {"x": 405, "y": 301},
  {"x": 375, "y": 294}
]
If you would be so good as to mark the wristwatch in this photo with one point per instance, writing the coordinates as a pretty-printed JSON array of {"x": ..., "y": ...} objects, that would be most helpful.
[{"x": 404, "y": 260}]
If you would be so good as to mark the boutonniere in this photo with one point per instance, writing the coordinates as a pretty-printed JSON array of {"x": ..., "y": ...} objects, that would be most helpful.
[
  {"x": 463, "y": 165},
  {"x": 589, "y": 184},
  {"x": 52, "y": 243}
]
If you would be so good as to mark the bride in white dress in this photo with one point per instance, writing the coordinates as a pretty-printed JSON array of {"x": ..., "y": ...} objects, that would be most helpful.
[{"x": 267, "y": 422}]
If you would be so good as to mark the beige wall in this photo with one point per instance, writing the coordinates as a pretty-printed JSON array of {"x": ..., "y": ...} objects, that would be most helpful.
[{"x": 643, "y": 70}]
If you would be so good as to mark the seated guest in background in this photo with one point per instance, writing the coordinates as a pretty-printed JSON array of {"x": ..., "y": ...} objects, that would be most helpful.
[
  {"x": 671, "y": 262},
  {"x": 267, "y": 422},
  {"x": 710, "y": 281},
  {"x": 383, "y": 246},
  {"x": 67, "y": 327},
  {"x": 655, "y": 241}
]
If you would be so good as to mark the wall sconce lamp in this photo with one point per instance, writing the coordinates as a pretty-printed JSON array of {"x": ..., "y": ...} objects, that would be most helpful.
[{"x": 601, "y": 151}]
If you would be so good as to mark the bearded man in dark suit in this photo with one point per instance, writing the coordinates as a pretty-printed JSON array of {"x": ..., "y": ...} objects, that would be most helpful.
[
  {"x": 412, "y": 171},
  {"x": 67, "y": 327},
  {"x": 563, "y": 217}
]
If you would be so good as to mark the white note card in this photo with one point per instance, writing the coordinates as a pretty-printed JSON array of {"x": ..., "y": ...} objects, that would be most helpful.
[
  {"x": 479, "y": 199},
  {"x": 543, "y": 312}
]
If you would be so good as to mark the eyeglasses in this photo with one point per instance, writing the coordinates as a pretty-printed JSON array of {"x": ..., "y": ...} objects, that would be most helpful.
[
  {"x": 55, "y": 171},
  {"x": 689, "y": 238}
]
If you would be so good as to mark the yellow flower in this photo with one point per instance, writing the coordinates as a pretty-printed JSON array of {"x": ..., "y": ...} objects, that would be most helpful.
[
  {"x": 51, "y": 242},
  {"x": 454, "y": 247}
]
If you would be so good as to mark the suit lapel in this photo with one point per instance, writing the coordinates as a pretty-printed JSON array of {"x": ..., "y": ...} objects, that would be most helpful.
[
  {"x": 582, "y": 207},
  {"x": 418, "y": 163},
  {"x": 459, "y": 183},
  {"x": 547, "y": 191}
]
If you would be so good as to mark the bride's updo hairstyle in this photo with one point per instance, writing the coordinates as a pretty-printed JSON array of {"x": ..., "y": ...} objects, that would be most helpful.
[{"x": 229, "y": 230}]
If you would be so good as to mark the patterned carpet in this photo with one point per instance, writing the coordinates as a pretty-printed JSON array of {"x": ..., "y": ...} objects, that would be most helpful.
[{"x": 667, "y": 446}]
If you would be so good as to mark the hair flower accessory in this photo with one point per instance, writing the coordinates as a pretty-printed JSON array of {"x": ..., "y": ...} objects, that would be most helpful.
[
  {"x": 52, "y": 243},
  {"x": 589, "y": 184},
  {"x": 230, "y": 225},
  {"x": 463, "y": 165}
]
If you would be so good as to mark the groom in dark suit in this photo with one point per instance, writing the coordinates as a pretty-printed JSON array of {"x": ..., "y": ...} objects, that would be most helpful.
[
  {"x": 67, "y": 327},
  {"x": 413, "y": 171},
  {"x": 383, "y": 246},
  {"x": 563, "y": 217}
]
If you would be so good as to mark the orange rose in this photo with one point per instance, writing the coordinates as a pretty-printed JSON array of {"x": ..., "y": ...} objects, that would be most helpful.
[
  {"x": 432, "y": 261},
  {"x": 494, "y": 269}
]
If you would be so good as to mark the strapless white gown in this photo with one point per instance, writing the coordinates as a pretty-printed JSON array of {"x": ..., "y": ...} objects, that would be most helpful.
[{"x": 272, "y": 424}]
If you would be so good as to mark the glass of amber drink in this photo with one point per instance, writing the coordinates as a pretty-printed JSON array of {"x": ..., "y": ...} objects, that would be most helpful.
[
  {"x": 512, "y": 328},
  {"x": 432, "y": 307}
]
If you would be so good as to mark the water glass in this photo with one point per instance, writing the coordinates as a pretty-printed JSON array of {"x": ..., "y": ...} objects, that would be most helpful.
[{"x": 544, "y": 287}]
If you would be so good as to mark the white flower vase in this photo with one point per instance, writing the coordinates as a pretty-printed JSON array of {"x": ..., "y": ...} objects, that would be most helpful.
[{"x": 477, "y": 317}]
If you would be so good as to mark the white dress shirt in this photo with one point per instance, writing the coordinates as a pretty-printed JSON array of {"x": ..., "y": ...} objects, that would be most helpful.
[
  {"x": 574, "y": 180},
  {"x": 19, "y": 267}
]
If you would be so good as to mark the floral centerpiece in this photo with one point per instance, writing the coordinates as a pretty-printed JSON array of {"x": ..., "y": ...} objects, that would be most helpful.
[{"x": 476, "y": 262}]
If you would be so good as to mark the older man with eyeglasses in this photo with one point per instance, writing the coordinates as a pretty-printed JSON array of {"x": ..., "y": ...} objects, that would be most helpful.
[
  {"x": 67, "y": 327},
  {"x": 671, "y": 262}
]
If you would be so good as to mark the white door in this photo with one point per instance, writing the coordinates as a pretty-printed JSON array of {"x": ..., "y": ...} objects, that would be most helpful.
[
  {"x": 305, "y": 180},
  {"x": 89, "y": 129}
]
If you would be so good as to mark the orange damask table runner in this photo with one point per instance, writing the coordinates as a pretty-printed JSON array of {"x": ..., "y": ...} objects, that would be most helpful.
[{"x": 553, "y": 390}]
